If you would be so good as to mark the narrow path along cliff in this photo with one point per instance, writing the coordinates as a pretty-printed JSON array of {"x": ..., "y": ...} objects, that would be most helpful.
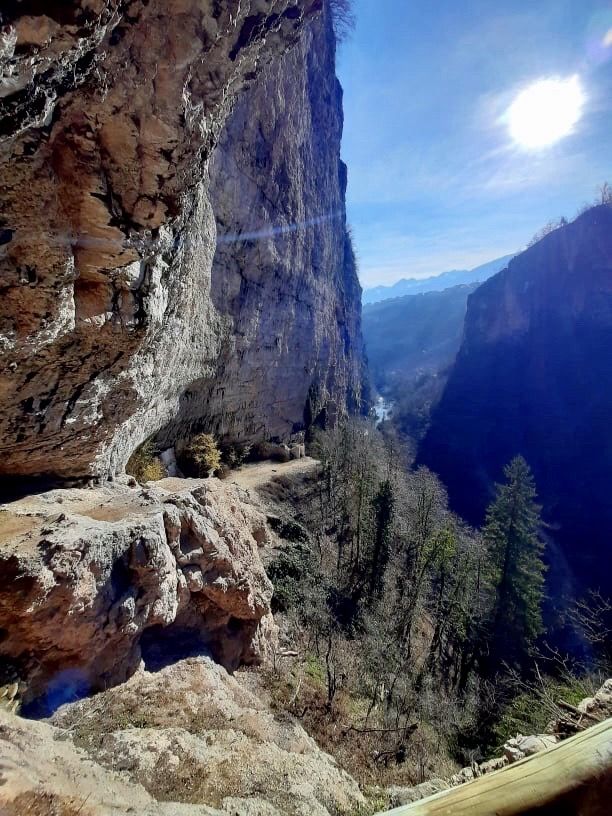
[
  {"x": 250, "y": 476},
  {"x": 261, "y": 473}
]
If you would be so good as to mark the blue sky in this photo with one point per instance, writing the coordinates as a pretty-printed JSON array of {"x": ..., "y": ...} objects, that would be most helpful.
[{"x": 435, "y": 181}]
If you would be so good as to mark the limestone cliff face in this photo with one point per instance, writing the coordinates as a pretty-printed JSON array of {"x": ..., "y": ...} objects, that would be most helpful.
[
  {"x": 284, "y": 270},
  {"x": 122, "y": 315},
  {"x": 534, "y": 377}
]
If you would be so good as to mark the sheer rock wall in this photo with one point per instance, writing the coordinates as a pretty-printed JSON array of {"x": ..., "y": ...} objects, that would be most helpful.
[{"x": 117, "y": 320}]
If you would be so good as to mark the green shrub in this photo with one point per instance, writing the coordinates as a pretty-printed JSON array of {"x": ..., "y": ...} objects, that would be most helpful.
[
  {"x": 315, "y": 669},
  {"x": 145, "y": 465},
  {"x": 290, "y": 572},
  {"x": 376, "y": 802},
  {"x": 236, "y": 453},
  {"x": 530, "y": 711},
  {"x": 202, "y": 455},
  {"x": 289, "y": 529}
]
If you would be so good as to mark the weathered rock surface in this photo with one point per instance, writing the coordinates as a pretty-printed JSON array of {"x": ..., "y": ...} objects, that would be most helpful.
[
  {"x": 519, "y": 747},
  {"x": 599, "y": 706},
  {"x": 43, "y": 773},
  {"x": 399, "y": 796},
  {"x": 192, "y": 733},
  {"x": 91, "y": 578},
  {"x": 117, "y": 321},
  {"x": 534, "y": 377}
]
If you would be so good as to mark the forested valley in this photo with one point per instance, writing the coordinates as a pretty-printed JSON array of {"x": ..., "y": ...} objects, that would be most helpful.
[{"x": 421, "y": 640}]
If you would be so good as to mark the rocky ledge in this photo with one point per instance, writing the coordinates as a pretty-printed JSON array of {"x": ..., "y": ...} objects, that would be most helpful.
[
  {"x": 188, "y": 740},
  {"x": 92, "y": 580}
]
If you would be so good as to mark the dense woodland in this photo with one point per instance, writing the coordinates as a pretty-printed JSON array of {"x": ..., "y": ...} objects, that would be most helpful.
[{"x": 421, "y": 641}]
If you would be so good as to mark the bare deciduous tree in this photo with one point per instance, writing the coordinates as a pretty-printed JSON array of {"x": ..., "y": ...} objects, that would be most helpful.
[
  {"x": 605, "y": 193},
  {"x": 343, "y": 18}
]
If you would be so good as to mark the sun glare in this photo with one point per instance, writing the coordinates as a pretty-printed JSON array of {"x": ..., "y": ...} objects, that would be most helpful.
[{"x": 546, "y": 111}]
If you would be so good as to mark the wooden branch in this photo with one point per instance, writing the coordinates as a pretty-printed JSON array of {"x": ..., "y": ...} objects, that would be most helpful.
[
  {"x": 406, "y": 728},
  {"x": 577, "y": 711},
  {"x": 533, "y": 782},
  {"x": 297, "y": 691}
]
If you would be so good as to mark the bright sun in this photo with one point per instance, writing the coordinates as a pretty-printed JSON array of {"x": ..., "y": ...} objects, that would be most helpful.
[{"x": 546, "y": 111}]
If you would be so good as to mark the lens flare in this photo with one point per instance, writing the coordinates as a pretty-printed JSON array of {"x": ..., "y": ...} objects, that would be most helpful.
[{"x": 546, "y": 111}]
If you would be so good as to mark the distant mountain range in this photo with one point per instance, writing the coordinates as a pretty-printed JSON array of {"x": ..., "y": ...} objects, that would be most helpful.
[
  {"x": 414, "y": 334},
  {"x": 411, "y": 341},
  {"x": 436, "y": 283}
]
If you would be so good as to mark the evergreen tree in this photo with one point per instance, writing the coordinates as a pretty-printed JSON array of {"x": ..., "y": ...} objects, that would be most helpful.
[
  {"x": 383, "y": 503},
  {"x": 512, "y": 534}
]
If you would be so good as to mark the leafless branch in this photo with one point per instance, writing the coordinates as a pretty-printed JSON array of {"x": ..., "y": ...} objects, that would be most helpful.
[{"x": 343, "y": 18}]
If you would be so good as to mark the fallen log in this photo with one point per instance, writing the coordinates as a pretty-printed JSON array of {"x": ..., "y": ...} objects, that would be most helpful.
[{"x": 577, "y": 712}]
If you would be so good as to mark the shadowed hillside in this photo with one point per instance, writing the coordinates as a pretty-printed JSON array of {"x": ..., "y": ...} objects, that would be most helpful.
[
  {"x": 413, "y": 335},
  {"x": 534, "y": 376}
]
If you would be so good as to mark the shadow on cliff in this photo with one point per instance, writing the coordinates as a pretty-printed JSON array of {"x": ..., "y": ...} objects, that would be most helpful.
[
  {"x": 13, "y": 488},
  {"x": 162, "y": 646}
]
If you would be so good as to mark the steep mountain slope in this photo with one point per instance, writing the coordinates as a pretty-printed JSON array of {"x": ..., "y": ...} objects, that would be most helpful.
[
  {"x": 122, "y": 314},
  {"x": 534, "y": 376},
  {"x": 413, "y": 335},
  {"x": 456, "y": 277}
]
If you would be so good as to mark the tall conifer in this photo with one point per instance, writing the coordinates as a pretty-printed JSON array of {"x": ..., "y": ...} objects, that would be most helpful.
[{"x": 512, "y": 533}]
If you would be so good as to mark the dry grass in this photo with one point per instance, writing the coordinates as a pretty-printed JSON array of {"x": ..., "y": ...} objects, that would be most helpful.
[
  {"x": 118, "y": 712},
  {"x": 144, "y": 465},
  {"x": 39, "y": 803},
  {"x": 13, "y": 525},
  {"x": 369, "y": 756}
]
